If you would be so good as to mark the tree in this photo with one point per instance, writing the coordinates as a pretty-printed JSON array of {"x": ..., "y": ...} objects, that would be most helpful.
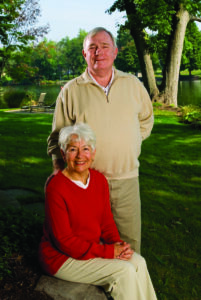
[
  {"x": 127, "y": 59},
  {"x": 45, "y": 59},
  {"x": 168, "y": 19},
  {"x": 34, "y": 62},
  {"x": 20, "y": 68},
  {"x": 70, "y": 54},
  {"x": 17, "y": 20},
  {"x": 191, "y": 57}
]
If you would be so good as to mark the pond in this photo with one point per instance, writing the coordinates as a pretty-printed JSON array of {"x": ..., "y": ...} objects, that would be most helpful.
[{"x": 189, "y": 92}]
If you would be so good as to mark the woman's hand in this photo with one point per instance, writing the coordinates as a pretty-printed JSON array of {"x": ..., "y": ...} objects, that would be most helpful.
[{"x": 122, "y": 251}]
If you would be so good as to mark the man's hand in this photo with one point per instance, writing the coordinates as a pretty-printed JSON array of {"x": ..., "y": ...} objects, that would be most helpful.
[
  {"x": 58, "y": 164},
  {"x": 122, "y": 251}
]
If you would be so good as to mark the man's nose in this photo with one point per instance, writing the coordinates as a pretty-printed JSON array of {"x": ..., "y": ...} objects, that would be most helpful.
[{"x": 98, "y": 50}]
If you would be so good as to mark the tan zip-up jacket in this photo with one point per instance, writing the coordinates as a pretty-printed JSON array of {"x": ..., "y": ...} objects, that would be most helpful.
[{"x": 120, "y": 120}]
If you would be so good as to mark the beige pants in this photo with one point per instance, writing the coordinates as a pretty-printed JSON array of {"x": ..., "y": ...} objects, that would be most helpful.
[
  {"x": 125, "y": 280},
  {"x": 126, "y": 209}
]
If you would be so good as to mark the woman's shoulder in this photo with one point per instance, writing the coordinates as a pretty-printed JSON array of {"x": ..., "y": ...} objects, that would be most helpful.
[
  {"x": 54, "y": 180},
  {"x": 97, "y": 175}
]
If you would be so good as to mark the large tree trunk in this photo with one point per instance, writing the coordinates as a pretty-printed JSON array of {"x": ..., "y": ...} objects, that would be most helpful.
[
  {"x": 145, "y": 63},
  {"x": 170, "y": 80},
  {"x": 169, "y": 86},
  {"x": 138, "y": 35}
]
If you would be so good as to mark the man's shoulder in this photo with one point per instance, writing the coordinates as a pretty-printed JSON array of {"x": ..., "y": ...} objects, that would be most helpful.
[
  {"x": 82, "y": 79},
  {"x": 121, "y": 74}
]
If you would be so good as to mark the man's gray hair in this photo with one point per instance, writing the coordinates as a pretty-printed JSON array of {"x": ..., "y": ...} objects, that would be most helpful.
[
  {"x": 82, "y": 131},
  {"x": 96, "y": 30}
]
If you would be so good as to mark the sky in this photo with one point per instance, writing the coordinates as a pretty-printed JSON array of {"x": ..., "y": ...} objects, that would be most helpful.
[{"x": 67, "y": 17}]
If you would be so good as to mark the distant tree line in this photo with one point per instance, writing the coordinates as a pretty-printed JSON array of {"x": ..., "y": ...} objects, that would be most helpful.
[{"x": 49, "y": 60}]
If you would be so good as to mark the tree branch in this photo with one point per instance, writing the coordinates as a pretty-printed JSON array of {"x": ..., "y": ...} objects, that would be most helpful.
[{"x": 194, "y": 18}]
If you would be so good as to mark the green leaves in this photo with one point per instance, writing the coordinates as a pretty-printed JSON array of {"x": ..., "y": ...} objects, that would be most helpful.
[
  {"x": 20, "y": 232},
  {"x": 191, "y": 114},
  {"x": 17, "y": 26}
]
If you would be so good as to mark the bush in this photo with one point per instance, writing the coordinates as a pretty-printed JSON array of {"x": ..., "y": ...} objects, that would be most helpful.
[
  {"x": 29, "y": 99},
  {"x": 17, "y": 98},
  {"x": 14, "y": 98},
  {"x": 21, "y": 231},
  {"x": 191, "y": 114}
]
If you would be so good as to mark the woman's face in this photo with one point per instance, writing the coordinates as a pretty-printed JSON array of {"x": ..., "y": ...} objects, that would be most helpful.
[{"x": 79, "y": 156}]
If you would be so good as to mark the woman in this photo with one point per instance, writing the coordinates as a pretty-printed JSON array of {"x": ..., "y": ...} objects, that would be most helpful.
[{"x": 81, "y": 242}]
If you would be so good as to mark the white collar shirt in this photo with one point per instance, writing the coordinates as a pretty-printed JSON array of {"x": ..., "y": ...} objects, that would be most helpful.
[{"x": 107, "y": 88}]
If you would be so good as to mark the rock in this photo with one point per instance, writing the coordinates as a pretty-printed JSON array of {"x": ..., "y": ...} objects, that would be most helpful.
[
  {"x": 14, "y": 197},
  {"x": 65, "y": 290}
]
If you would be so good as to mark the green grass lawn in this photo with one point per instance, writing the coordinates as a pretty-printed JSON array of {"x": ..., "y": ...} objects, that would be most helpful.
[{"x": 170, "y": 180}]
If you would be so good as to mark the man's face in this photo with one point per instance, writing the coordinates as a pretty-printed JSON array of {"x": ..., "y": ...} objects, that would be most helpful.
[{"x": 99, "y": 53}]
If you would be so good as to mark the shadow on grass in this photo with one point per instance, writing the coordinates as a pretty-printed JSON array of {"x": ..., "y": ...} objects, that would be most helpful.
[
  {"x": 170, "y": 181},
  {"x": 23, "y": 153}
]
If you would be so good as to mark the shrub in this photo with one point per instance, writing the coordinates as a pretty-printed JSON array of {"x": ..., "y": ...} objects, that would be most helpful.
[
  {"x": 16, "y": 98},
  {"x": 191, "y": 114},
  {"x": 13, "y": 97},
  {"x": 29, "y": 99},
  {"x": 21, "y": 231}
]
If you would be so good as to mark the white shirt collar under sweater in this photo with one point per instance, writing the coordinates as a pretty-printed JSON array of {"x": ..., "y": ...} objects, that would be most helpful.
[
  {"x": 81, "y": 184},
  {"x": 105, "y": 89}
]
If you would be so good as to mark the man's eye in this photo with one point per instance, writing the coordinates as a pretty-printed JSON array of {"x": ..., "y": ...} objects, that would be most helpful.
[{"x": 86, "y": 149}]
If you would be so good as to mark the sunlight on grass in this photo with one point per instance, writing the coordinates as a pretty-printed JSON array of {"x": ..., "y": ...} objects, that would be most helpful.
[
  {"x": 196, "y": 179},
  {"x": 32, "y": 160},
  {"x": 3, "y": 162},
  {"x": 159, "y": 112}
]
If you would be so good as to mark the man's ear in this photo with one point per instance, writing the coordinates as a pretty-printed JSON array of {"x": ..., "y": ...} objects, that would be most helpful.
[
  {"x": 83, "y": 53},
  {"x": 116, "y": 52}
]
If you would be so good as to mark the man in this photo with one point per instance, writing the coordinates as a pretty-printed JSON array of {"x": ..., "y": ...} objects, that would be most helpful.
[{"x": 118, "y": 108}]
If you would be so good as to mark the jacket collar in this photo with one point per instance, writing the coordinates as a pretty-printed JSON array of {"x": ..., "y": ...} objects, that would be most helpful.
[{"x": 85, "y": 78}]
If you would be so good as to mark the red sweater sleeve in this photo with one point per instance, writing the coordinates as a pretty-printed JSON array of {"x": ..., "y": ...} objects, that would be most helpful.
[{"x": 62, "y": 235}]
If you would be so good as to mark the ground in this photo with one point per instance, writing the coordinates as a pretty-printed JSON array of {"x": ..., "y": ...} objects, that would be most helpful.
[{"x": 21, "y": 284}]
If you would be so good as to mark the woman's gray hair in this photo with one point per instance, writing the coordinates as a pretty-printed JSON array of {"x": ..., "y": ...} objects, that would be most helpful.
[
  {"x": 83, "y": 132},
  {"x": 96, "y": 30}
]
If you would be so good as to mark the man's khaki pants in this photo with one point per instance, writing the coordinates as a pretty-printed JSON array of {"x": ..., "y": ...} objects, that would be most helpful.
[
  {"x": 124, "y": 280},
  {"x": 126, "y": 209}
]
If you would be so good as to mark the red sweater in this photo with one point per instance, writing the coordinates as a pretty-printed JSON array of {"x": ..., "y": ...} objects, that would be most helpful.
[{"x": 76, "y": 219}]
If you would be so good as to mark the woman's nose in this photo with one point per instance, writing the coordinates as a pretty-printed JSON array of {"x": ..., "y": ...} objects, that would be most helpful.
[{"x": 79, "y": 153}]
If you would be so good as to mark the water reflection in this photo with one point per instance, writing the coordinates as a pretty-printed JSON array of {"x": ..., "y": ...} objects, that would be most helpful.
[{"x": 189, "y": 92}]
